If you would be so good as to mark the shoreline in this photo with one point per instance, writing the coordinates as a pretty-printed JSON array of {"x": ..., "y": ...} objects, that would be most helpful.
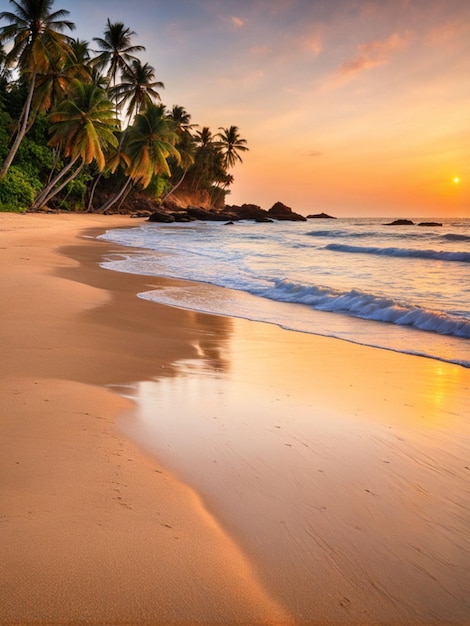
[
  {"x": 95, "y": 531},
  {"x": 142, "y": 523}
]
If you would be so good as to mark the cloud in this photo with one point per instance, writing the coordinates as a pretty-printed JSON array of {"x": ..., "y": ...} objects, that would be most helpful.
[
  {"x": 373, "y": 53},
  {"x": 315, "y": 153},
  {"x": 368, "y": 55},
  {"x": 237, "y": 21}
]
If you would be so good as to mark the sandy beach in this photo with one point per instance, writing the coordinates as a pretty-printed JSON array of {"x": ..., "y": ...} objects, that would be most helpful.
[{"x": 291, "y": 479}]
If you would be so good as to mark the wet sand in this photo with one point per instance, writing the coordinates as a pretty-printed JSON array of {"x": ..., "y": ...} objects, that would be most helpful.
[{"x": 262, "y": 476}]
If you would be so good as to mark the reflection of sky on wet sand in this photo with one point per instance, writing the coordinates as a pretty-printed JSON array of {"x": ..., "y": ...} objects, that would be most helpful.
[{"x": 342, "y": 474}]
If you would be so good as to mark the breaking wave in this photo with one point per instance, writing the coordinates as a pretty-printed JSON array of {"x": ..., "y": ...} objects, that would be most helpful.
[
  {"x": 368, "y": 306},
  {"x": 439, "y": 255}
]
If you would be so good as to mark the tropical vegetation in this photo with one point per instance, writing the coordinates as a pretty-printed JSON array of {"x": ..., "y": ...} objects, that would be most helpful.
[{"x": 83, "y": 128}]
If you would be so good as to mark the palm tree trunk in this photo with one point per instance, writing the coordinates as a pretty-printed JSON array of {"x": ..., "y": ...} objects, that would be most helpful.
[
  {"x": 38, "y": 201},
  {"x": 175, "y": 187},
  {"x": 124, "y": 197},
  {"x": 22, "y": 129},
  {"x": 92, "y": 193},
  {"x": 107, "y": 205},
  {"x": 53, "y": 193}
]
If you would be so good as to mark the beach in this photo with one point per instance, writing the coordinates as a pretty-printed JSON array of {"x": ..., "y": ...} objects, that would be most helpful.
[{"x": 354, "y": 509}]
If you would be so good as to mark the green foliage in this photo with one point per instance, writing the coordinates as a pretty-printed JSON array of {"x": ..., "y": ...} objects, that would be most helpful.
[
  {"x": 157, "y": 152},
  {"x": 157, "y": 187},
  {"x": 73, "y": 196},
  {"x": 16, "y": 191}
]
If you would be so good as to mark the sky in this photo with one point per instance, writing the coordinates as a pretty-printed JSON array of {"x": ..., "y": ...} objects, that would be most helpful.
[{"x": 351, "y": 107}]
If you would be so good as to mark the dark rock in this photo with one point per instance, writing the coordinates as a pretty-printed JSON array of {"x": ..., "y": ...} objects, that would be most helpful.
[
  {"x": 400, "y": 223},
  {"x": 264, "y": 220},
  {"x": 198, "y": 213},
  {"x": 280, "y": 211},
  {"x": 229, "y": 223},
  {"x": 182, "y": 216},
  {"x": 246, "y": 212},
  {"x": 211, "y": 216},
  {"x": 322, "y": 216},
  {"x": 162, "y": 217},
  {"x": 429, "y": 224},
  {"x": 141, "y": 214}
]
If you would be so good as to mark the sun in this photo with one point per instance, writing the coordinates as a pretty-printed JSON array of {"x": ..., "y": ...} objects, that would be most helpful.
[{"x": 456, "y": 180}]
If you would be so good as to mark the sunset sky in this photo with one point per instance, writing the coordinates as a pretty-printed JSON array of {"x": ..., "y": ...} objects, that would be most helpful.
[{"x": 349, "y": 107}]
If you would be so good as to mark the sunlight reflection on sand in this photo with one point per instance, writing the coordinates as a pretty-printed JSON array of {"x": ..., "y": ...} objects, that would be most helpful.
[{"x": 341, "y": 469}]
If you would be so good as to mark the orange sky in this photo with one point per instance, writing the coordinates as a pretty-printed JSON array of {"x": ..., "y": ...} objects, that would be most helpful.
[{"x": 352, "y": 107}]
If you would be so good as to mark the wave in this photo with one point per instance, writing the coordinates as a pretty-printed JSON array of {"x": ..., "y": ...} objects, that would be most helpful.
[
  {"x": 368, "y": 306},
  {"x": 339, "y": 234},
  {"x": 440, "y": 255},
  {"x": 456, "y": 237}
]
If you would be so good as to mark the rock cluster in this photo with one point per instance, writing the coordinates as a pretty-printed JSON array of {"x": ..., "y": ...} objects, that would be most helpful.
[
  {"x": 230, "y": 213},
  {"x": 402, "y": 222},
  {"x": 321, "y": 216}
]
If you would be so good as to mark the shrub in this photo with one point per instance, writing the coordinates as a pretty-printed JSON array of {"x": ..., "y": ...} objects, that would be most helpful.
[{"x": 16, "y": 191}]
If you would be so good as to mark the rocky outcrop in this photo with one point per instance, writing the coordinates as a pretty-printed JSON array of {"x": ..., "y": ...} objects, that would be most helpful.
[
  {"x": 400, "y": 223},
  {"x": 246, "y": 212},
  {"x": 172, "y": 212},
  {"x": 280, "y": 211},
  {"x": 430, "y": 224},
  {"x": 321, "y": 216}
]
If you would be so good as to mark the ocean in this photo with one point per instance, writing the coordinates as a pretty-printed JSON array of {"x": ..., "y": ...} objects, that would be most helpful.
[{"x": 402, "y": 288}]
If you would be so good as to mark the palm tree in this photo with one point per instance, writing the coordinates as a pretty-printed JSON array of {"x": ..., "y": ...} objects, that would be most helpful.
[
  {"x": 181, "y": 118},
  {"x": 231, "y": 144},
  {"x": 53, "y": 84},
  {"x": 5, "y": 72},
  {"x": 186, "y": 145},
  {"x": 138, "y": 87},
  {"x": 82, "y": 126},
  {"x": 150, "y": 141},
  {"x": 203, "y": 137},
  {"x": 116, "y": 51},
  {"x": 147, "y": 145},
  {"x": 37, "y": 34}
]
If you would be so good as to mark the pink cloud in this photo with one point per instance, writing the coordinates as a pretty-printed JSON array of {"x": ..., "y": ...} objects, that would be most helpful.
[
  {"x": 374, "y": 53},
  {"x": 237, "y": 21}
]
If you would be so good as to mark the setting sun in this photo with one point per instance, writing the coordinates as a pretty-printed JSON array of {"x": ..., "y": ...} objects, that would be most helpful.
[{"x": 456, "y": 180}]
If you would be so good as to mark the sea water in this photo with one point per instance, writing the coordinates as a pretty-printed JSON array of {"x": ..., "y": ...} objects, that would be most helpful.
[{"x": 402, "y": 288}]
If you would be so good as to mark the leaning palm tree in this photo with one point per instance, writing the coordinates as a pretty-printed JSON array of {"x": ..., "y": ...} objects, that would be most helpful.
[
  {"x": 82, "y": 126},
  {"x": 37, "y": 35},
  {"x": 116, "y": 50},
  {"x": 231, "y": 144},
  {"x": 138, "y": 87},
  {"x": 147, "y": 145}
]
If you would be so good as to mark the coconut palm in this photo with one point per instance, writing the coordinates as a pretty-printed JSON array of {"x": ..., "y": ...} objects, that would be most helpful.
[
  {"x": 137, "y": 87},
  {"x": 37, "y": 35},
  {"x": 5, "y": 72},
  {"x": 145, "y": 149},
  {"x": 53, "y": 84},
  {"x": 181, "y": 119},
  {"x": 186, "y": 145},
  {"x": 116, "y": 50},
  {"x": 150, "y": 142},
  {"x": 82, "y": 126},
  {"x": 231, "y": 144},
  {"x": 209, "y": 161},
  {"x": 204, "y": 137}
]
